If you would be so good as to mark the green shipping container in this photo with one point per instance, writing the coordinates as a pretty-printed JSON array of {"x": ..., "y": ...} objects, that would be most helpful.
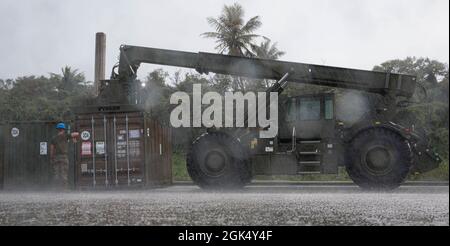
[{"x": 25, "y": 154}]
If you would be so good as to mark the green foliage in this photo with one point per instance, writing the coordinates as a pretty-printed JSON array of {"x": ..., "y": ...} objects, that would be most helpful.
[
  {"x": 179, "y": 170},
  {"x": 426, "y": 70},
  {"x": 43, "y": 98},
  {"x": 440, "y": 173},
  {"x": 431, "y": 113},
  {"x": 154, "y": 95}
]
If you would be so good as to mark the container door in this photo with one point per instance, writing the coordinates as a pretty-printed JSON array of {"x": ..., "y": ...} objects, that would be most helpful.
[
  {"x": 110, "y": 152},
  {"x": 128, "y": 149},
  {"x": 92, "y": 157}
]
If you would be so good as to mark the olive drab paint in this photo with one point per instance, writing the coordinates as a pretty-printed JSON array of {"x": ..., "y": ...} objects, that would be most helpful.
[{"x": 234, "y": 101}]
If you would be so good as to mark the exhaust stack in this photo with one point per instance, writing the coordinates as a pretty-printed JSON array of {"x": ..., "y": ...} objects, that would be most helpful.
[{"x": 100, "y": 59}]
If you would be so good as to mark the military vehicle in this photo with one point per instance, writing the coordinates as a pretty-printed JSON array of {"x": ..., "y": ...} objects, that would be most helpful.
[{"x": 375, "y": 151}]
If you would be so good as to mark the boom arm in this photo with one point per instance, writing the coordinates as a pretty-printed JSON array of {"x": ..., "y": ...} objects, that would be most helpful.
[{"x": 376, "y": 82}]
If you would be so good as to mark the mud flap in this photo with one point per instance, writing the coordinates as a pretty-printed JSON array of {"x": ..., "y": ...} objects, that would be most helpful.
[{"x": 425, "y": 159}]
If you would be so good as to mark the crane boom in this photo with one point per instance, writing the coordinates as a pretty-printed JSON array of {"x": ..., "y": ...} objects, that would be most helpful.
[{"x": 371, "y": 81}]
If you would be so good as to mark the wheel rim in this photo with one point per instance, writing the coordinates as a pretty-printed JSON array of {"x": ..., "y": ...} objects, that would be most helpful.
[
  {"x": 214, "y": 163},
  {"x": 378, "y": 160}
]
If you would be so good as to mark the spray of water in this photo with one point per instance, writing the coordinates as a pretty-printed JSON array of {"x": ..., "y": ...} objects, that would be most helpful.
[{"x": 351, "y": 107}]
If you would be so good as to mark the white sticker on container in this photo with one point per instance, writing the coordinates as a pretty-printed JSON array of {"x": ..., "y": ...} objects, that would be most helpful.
[
  {"x": 85, "y": 135},
  {"x": 100, "y": 148},
  {"x": 15, "y": 132},
  {"x": 135, "y": 133},
  {"x": 84, "y": 168},
  {"x": 43, "y": 148}
]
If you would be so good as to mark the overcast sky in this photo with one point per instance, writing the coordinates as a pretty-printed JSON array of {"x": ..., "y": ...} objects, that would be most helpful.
[{"x": 41, "y": 36}]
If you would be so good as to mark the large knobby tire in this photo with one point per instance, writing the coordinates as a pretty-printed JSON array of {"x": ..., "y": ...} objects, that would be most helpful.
[
  {"x": 379, "y": 159},
  {"x": 218, "y": 161}
]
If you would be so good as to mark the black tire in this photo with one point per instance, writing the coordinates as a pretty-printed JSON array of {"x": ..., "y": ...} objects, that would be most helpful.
[
  {"x": 379, "y": 159},
  {"x": 218, "y": 161}
]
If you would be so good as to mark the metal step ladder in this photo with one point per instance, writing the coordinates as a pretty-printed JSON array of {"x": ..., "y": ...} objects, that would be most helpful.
[{"x": 310, "y": 157}]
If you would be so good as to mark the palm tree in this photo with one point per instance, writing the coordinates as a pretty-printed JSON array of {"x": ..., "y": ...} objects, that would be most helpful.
[
  {"x": 233, "y": 35},
  {"x": 266, "y": 50},
  {"x": 69, "y": 78}
]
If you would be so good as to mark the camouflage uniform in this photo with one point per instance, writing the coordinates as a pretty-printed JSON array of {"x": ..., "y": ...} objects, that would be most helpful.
[
  {"x": 60, "y": 163},
  {"x": 60, "y": 169}
]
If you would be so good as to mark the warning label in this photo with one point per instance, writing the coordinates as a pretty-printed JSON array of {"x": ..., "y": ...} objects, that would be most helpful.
[{"x": 86, "y": 148}]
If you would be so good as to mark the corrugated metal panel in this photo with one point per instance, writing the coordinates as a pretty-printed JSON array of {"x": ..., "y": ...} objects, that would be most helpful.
[
  {"x": 120, "y": 149},
  {"x": 159, "y": 164},
  {"x": 26, "y": 161}
]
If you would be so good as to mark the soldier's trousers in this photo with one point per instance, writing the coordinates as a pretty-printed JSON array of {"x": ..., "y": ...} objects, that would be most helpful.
[{"x": 60, "y": 171}]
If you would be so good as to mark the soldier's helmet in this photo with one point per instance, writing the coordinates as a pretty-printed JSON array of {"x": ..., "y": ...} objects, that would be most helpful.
[{"x": 61, "y": 126}]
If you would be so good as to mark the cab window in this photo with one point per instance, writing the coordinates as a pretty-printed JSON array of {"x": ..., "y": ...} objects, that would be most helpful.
[
  {"x": 291, "y": 110},
  {"x": 309, "y": 109},
  {"x": 329, "y": 109}
]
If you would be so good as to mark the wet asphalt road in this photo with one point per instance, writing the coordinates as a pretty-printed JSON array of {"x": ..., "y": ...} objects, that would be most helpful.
[{"x": 255, "y": 205}]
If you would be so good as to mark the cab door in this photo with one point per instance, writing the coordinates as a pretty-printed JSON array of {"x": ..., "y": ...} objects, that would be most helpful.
[{"x": 312, "y": 117}]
